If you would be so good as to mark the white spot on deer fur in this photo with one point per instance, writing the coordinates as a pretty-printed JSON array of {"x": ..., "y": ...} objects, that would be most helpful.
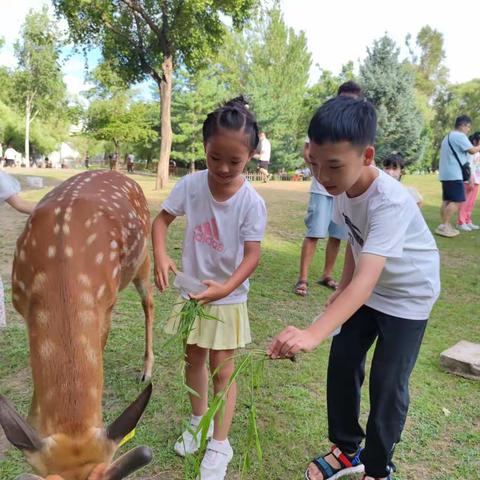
[
  {"x": 21, "y": 285},
  {"x": 46, "y": 348},
  {"x": 88, "y": 223},
  {"x": 87, "y": 299},
  {"x": 99, "y": 258},
  {"x": 57, "y": 210},
  {"x": 16, "y": 297},
  {"x": 84, "y": 280},
  {"x": 91, "y": 238},
  {"x": 86, "y": 317},
  {"x": 68, "y": 210},
  {"x": 34, "y": 242},
  {"x": 68, "y": 251},
  {"x": 42, "y": 317},
  {"x": 116, "y": 205},
  {"x": 39, "y": 281},
  {"x": 115, "y": 271},
  {"x": 66, "y": 229},
  {"x": 87, "y": 179},
  {"x": 91, "y": 355},
  {"x": 101, "y": 291},
  {"x": 22, "y": 255},
  {"x": 56, "y": 228},
  {"x": 68, "y": 216},
  {"x": 51, "y": 251},
  {"x": 113, "y": 256},
  {"x": 113, "y": 244}
]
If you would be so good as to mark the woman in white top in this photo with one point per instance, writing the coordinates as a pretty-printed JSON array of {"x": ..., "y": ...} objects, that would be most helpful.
[{"x": 471, "y": 189}]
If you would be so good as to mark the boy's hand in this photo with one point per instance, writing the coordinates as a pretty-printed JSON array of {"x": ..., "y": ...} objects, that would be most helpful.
[
  {"x": 215, "y": 291},
  {"x": 291, "y": 341},
  {"x": 163, "y": 265}
]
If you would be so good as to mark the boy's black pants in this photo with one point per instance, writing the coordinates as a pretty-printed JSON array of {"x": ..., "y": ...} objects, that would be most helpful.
[{"x": 398, "y": 343}]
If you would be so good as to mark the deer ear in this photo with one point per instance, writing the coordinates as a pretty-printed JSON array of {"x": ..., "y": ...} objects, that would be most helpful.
[
  {"x": 17, "y": 430},
  {"x": 128, "y": 420}
]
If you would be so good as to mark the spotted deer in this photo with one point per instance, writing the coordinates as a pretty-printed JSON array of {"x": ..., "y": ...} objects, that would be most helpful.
[{"x": 85, "y": 241}]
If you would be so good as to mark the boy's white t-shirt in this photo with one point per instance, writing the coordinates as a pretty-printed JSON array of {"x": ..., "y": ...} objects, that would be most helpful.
[
  {"x": 216, "y": 231},
  {"x": 385, "y": 221}
]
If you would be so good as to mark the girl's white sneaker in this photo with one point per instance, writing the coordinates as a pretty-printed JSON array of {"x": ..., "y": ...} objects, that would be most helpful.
[
  {"x": 473, "y": 226},
  {"x": 189, "y": 442},
  {"x": 215, "y": 461}
]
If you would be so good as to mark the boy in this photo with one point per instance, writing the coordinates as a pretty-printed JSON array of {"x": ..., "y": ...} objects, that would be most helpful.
[
  {"x": 319, "y": 220},
  {"x": 394, "y": 165},
  {"x": 389, "y": 284}
]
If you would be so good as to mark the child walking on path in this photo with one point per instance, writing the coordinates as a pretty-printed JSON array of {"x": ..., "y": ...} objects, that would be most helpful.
[
  {"x": 9, "y": 190},
  {"x": 226, "y": 221},
  {"x": 465, "y": 210},
  {"x": 389, "y": 284}
]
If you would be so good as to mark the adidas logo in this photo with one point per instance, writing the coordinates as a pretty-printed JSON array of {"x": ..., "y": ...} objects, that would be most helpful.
[{"x": 207, "y": 233}]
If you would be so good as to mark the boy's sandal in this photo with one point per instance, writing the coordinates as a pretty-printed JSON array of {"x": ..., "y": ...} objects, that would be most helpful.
[
  {"x": 301, "y": 288},
  {"x": 348, "y": 465},
  {"x": 365, "y": 477},
  {"x": 328, "y": 282}
]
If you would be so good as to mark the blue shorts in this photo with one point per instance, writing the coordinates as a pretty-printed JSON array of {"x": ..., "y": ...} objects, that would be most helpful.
[
  {"x": 453, "y": 191},
  {"x": 318, "y": 219}
]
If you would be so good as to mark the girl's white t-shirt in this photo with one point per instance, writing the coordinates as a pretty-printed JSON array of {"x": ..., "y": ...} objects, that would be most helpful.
[
  {"x": 386, "y": 221},
  {"x": 9, "y": 186},
  {"x": 215, "y": 233}
]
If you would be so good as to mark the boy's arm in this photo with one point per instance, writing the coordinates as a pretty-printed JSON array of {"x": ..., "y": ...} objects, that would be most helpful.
[
  {"x": 162, "y": 262},
  {"x": 216, "y": 291},
  {"x": 21, "y": 205},
  {"x": 292, "y": 340}
]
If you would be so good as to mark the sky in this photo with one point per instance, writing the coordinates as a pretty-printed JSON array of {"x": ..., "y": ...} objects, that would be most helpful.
[{"x": 336, "y": 32}]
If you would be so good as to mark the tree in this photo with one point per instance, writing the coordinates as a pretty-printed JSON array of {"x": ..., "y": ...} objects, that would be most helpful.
[
  {"x": 198, "y": 94},
  {"x": 389, "y": 85},
  {"x": 430, "y": 73},
  {"x": 276, "y": 83},
  {"x": 39, "y": 83},
  {"x": 149, "y": 39}
]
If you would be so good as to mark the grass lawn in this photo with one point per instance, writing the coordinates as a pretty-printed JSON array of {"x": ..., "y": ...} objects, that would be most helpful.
[{"x": 437, "y": 445}]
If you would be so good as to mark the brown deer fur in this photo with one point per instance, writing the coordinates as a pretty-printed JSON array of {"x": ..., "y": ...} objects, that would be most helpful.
[{"x": 85, "y": 241}]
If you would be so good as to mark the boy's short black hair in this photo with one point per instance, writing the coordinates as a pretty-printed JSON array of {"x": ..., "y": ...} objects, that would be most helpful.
[
  {"x": 350, "y": 88},
  {"x": 474, "y": 138},
  {"x": 462, "y": 120},
  {"x": 344, "y": 119},
  {"x": 395, "y": 160}
]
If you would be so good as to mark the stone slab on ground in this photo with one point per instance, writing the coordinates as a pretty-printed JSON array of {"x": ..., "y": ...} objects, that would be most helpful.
[{"x": 462, "y": 359}]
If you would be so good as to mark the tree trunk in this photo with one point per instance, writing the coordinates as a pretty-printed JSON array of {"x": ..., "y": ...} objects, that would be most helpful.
[
  {"x": 27, "y": 131},
  {"x": 166, "y": 125},
  {"x": 192, "y": 166}
]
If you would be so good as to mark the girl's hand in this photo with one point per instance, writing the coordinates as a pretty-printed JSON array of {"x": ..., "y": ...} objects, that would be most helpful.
[
  {"x": 163, "y": 265},
  {"x": 215, "y": 291},
  {"x": 333, "y": 296},
  {"x": 291, "y": 341}
]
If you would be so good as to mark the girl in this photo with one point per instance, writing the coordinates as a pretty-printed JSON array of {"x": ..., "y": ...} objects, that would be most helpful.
[
  {"x": 226, "y": 221},
  {"x": 9, "y": 189},
  {"x": 471, "y": 190}
]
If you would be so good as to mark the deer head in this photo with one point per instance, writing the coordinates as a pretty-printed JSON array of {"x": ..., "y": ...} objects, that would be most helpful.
[{"x": 86, "y": 456}]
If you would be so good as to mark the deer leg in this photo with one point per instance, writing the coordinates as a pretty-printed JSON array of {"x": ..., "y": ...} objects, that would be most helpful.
[{"x": 144, "y": 287}]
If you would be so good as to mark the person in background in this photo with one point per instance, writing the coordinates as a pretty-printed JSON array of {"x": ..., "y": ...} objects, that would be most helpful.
[
  {"x": 394, "y": 165},
  {"x": 9, "y": 190},
  {"x": 318, "y": 220},
  {"x": 130, "y": 162},
  {"x": 465, "y": 222},
  {"x": 263, "y": 156},
  {"x": 10, "y": 156},
  {"x": 453, "y": 152}
]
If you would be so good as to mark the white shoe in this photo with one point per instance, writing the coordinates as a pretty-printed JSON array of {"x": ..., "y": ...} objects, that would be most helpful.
[
  {"x": 446, "y": 231},
  {"x": 189, "y": 443},
  {"x": 473, "y": 226},
  {"x": 215, "y": 462},
  {"x": 464, "y": 227}
]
